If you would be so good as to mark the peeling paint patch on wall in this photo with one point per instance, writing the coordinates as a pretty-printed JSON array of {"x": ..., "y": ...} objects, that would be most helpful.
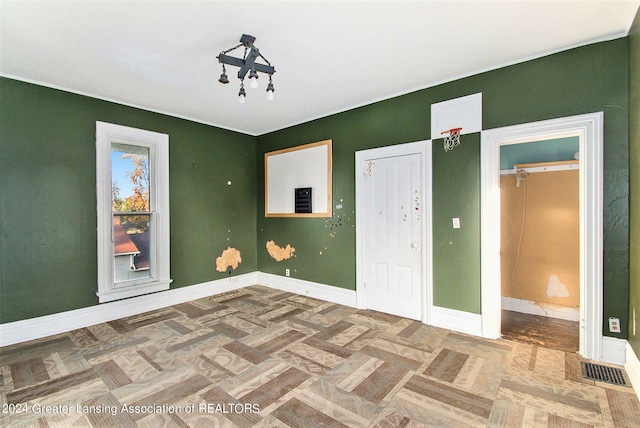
[
  {"x": 278, "y": 253},
  {"x": 555, "y": 288},
  {"x": 230, "y": 257}
]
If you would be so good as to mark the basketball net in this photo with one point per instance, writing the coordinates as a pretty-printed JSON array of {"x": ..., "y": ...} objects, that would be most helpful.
[{"x": 451, "y": 138}]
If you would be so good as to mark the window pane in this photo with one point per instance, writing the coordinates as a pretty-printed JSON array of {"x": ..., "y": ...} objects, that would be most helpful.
[
  {"x": 133, "y": 230},
  {"x": 132, "y": 246},
  {"x": 129, "y": 178}
]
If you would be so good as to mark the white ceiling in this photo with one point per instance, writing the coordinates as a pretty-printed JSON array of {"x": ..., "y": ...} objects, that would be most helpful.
[{"x": 329, "y": 56}]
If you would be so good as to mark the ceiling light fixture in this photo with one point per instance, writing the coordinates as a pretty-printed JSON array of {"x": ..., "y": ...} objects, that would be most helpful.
[{"x": 247, "y": 64}]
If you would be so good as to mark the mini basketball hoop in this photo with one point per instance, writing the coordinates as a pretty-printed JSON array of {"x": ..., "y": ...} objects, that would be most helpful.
[{"x": 451, "y": 138}]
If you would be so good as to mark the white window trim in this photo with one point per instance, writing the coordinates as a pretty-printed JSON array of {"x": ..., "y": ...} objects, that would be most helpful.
[{"x": 106, "y": 133}]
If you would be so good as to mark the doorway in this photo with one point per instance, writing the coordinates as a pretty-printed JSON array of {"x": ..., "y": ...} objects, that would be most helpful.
[
  {"x": 393, "y": 229},
  {"x": 540, "y": 243},
  {"x": 588, "y": 129}
]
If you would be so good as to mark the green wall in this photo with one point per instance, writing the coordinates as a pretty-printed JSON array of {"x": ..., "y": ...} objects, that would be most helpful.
[
  {"x": 582, "y": 80},
  {"x": 634, "y": 182},
  {"x": 47, "y": 183},
  {"x": 456, "y": 252},
  {"x": 48, "y": 197}
]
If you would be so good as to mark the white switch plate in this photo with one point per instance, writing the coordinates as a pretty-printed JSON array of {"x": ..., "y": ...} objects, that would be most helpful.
[{"x": 456, "y": 223}]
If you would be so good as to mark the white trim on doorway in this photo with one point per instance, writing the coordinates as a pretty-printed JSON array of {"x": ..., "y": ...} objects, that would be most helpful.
[
  {"x": 589, "y": 129},
  {"x": 423, "y": 148}
]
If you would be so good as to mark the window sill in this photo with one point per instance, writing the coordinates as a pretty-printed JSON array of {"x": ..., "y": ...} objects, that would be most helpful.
[{"x": 132, "y": 291}]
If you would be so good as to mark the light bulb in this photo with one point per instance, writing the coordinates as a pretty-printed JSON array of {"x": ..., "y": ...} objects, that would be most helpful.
[
  {"x": 253, "y": 78},
  {"x": 270, "y": 90},
  {"x": 242, "y": 94}
]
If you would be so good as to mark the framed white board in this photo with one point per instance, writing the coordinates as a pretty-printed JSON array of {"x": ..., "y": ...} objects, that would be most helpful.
[{"x": 303, "y": 166}]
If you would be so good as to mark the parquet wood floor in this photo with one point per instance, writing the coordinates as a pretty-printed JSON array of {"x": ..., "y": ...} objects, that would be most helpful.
[{"x": 258, "y": 357}]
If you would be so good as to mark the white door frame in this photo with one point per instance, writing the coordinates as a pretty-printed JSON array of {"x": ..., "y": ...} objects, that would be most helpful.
[
  {"x": 589, "y": 129},
  {"x": 423, "y": 148}
]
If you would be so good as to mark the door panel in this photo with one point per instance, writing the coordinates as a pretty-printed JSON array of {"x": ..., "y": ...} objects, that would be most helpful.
[{"x": 392, "y": 253}]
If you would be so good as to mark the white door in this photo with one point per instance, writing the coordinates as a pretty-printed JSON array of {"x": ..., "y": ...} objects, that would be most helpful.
[{"x": 392, "y": 241}]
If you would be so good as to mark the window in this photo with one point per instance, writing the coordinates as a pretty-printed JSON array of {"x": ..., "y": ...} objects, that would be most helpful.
[{"x": 132, "y": 176}]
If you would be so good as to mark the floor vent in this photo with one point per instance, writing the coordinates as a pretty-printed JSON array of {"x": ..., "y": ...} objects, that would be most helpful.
[{"x": 603, "y": 373}]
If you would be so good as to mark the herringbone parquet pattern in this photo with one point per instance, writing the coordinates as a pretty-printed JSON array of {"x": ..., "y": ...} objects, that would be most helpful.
[{"x": 258, "y": 357}]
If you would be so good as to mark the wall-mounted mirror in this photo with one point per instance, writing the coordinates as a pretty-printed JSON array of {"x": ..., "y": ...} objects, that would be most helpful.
[{"x": 299, "y": 174}]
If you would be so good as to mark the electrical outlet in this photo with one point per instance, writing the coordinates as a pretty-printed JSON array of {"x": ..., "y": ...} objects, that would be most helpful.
[
  {"x": 287, "y": 272},
  {"x": 614, "y": 325},
  {"x": 456, "y": 223}
]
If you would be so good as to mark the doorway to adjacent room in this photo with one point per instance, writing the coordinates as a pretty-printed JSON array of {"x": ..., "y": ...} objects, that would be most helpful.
[{"x": 588, "y": 129}]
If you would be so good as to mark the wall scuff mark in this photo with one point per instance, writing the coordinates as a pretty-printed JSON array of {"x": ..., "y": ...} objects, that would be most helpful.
[
  {"x": 278, "y": 253},
  {"x": 229, "y": 258}
]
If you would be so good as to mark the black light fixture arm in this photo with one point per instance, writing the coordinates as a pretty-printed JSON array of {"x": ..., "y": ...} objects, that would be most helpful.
[
  {"x": 249, "y": 61},
  {"x": 247, "y": 64}
]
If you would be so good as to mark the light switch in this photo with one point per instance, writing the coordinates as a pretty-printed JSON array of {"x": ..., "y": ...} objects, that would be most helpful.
[{"x": 456, "y": 223}]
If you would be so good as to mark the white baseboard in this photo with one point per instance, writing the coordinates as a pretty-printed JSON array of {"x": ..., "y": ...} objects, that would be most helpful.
[
  {"x": 542, "y": 309},
  {"x": 308, "y": 288},
  {"x": 36, "y": 328},
  {"x": 613, "y": 350},
  {"x": 451, "y": 319},
  {"x": 632, "y": 367}
]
